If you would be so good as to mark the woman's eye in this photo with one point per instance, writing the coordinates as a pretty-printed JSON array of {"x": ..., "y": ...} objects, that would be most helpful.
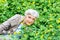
[
  {"x": 33, "y": 19},
  {"x": 29, "y": 17}
]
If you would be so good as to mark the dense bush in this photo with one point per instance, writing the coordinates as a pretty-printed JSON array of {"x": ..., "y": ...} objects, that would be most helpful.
[{"x": 47, "y": 27}]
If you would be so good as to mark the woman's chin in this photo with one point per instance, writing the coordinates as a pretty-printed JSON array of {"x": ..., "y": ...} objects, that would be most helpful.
[{"x": 28, "y": 24}]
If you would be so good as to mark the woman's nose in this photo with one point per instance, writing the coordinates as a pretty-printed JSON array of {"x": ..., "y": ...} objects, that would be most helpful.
[{"x": 31, "y": 20}]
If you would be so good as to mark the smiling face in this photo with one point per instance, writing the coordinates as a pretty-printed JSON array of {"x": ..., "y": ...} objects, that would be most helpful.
[{"x": 29, "y": 19}]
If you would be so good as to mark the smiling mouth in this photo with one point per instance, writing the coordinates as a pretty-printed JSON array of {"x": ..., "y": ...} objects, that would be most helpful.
[{"x": 29, "y": 22}]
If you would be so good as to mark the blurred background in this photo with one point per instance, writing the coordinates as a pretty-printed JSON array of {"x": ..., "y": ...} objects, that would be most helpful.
[{"x": 47, "y": 27}]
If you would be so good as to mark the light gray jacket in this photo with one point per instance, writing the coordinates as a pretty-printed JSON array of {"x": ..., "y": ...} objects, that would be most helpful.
[{"x": 11, "y": 24}]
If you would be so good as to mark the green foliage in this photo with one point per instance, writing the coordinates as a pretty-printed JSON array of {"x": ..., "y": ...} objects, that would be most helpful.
[{"x": 47, "y": 27}]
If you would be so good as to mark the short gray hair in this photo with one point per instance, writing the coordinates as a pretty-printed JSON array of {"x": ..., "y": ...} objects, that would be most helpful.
[{"x": 32, "y": 12}]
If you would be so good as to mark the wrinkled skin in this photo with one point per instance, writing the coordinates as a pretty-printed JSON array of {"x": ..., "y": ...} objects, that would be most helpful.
[{"x": 29, "y": 19}]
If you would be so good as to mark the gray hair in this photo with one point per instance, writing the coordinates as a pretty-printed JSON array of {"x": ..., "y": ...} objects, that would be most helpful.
[{"x": 32, "y": 12}]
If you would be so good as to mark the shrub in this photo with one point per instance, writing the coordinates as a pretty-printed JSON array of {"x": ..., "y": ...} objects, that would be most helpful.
[{"x": 47, "y": 27}]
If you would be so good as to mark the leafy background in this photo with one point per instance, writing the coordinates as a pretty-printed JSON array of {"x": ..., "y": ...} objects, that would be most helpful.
[{"x": 47, "y": 27}]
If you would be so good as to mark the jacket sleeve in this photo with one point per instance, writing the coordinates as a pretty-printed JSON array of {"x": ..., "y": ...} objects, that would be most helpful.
[
  {"x": 9, "y": 23},
  {"x": 4, "y": 26}
]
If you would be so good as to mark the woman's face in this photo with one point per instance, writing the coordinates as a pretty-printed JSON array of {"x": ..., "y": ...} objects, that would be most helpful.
[{"x": 29, "y": 19}]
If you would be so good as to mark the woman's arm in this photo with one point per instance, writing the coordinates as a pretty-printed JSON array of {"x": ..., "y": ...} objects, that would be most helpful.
[{"x": 4, "y": 27}]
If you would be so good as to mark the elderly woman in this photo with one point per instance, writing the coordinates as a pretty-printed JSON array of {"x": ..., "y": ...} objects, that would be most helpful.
[{"x": 14, "y": 24}]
